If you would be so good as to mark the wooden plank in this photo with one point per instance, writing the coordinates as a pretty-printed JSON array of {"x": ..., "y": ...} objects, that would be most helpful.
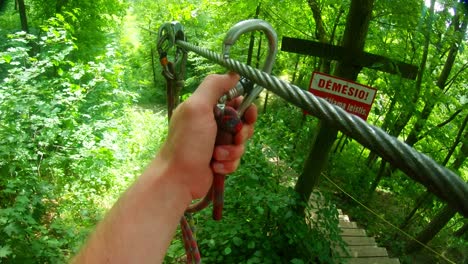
[
  {"x": 347, "y": 224},
  {"x": 368, "y": 60},
  {"x": 359, "y": 241},
  {"x": 376, "y": 260},
  {"x": 355, "y": 232},
  {"x": 344, "y": 218},
  {"x": 364, "y": 251}
]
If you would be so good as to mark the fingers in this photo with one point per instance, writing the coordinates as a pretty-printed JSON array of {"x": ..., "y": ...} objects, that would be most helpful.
[
  {"x": 214, "y": 86},
  {"x": 250, "y": 115},
  {"x": 227, "y": 158},
  {"x": 228, "y": 152},
  {"x": 246, "y": 133},
  {"x": 225, "y": 167}
]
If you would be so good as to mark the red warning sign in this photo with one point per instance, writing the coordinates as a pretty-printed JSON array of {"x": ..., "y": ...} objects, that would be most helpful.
[{"x": 354, "y": 98}]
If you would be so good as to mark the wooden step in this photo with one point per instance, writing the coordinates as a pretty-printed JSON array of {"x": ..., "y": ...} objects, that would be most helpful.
[
  {"x": 364, "y": 251},
  {"x": 346, "y": 224},
  {"x": 354, "y": 232},
  {"x": 359, "y": 241},
  {"x": 376, "y": 260},
  {"x": 344, "y": 218},
  {"x": 361, "y": 248}
]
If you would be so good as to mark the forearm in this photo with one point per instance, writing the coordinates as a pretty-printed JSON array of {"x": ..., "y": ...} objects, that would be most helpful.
[{"x": 140, "y": 226}]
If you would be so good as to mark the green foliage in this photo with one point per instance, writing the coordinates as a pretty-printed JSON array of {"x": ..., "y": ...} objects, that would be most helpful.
[
  {"x": 92, "y": 23},
  {"x": 69, "y": 144},
  {"x": 54, "y": 114}
]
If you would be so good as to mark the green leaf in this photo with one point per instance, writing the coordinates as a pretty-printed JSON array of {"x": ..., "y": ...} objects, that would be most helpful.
[
  {"x": 5, "y": 251},
  {"x": 211, "y": 243},
  {"x": 260, "y": 210},
  {"x": 237, "y": 241},
  {"x": 227, "y": 251},
  {"x": 7, "y": 58},
  {"x": 11, "y": 229},
  {"x": 254, "y": 260},
  {"x": 251, "y": 245},
  {"x": 297, "y": 261}
]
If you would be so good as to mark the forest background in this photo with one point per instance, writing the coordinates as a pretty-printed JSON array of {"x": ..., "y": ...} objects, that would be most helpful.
[{"x": 82, "y": 111}]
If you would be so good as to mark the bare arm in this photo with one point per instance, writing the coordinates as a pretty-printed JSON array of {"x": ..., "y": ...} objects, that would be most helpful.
[{"x": 140, "y": 226}]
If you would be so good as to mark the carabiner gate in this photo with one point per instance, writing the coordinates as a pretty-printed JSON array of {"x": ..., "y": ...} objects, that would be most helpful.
[{"x": 242, "y": 88}]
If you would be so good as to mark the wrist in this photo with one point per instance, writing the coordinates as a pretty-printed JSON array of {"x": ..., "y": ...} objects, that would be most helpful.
[{"x": 162, "y": 176}]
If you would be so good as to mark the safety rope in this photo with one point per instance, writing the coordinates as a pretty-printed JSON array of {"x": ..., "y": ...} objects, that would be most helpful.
[
  {"x": 386, "y": 221},
  {"x": 190, "y": 242},
  {"x": 174, "y": 73},
  {"x": 438, "y": 179}
]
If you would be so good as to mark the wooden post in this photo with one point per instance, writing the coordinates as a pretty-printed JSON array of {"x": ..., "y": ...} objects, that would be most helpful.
[
  {"x": 352, "y": 51},
  {"x": 316, "y": 162}
]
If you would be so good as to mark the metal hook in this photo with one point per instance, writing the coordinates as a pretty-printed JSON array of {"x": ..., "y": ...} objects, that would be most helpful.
[
  {"x": 231, "y": 37},
  {"x": 168, "y": 35}
]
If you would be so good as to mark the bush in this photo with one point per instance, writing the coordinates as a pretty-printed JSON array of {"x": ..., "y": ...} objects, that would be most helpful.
[{"x": 54, "y": 115}]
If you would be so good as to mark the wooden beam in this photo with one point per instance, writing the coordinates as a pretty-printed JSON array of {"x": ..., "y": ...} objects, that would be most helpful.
[{"x": 368, "y": 60}]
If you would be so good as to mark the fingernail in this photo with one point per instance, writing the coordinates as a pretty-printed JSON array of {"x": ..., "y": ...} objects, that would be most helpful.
[
  {"x": 218, "y": 167},
  {"x": 222, "y": 153}
]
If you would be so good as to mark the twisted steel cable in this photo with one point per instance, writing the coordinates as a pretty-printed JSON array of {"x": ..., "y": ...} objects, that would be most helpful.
[{"x": 439, "y": 180}]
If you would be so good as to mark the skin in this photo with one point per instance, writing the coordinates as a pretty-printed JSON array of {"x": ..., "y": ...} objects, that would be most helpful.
[{"x": 142, "y": 223}]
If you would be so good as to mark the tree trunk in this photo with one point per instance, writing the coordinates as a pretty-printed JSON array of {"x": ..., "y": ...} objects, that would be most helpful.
[
  {"x": 23, "y": 17},
  {"x": 413, "y": 137},
  {"x": 437, "y": 223},
  {"x": 405, "y": 116},
  {"x": 427, "y": 196},
  {"x": 450, "y": 119},
  {"x": 378, "y": 178},
  {"x": 320, "y": 32},
  {"x": 59, "y": 5},
  {"x": 252, "y": 38},
  {"x": 460, "y": 32},
  {"x": 315, "y": 163},
  {"x": 420, "y": 201},
  {"x": 457, "y": 141},
  {"x": 296, "y": 67},
  {"x": 357, "y": 25}
]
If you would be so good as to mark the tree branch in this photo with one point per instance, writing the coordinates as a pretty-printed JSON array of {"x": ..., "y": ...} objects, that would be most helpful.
[
  {"x": 450, "y": 119},
  {"x": 320, "y": 32}
]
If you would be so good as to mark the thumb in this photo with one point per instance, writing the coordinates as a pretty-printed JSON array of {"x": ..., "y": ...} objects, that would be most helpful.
[{"x": 214, "y": 86}]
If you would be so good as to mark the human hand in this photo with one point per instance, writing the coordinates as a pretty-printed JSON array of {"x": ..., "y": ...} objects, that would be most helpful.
[{"x": 190, "y": 148}]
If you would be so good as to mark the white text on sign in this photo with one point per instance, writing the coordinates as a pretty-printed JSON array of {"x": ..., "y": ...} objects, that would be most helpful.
[{"x": 354, "y": 98}]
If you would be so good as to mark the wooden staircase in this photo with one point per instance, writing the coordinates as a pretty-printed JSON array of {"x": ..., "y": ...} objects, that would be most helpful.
[{"x": 362, "y": 249}]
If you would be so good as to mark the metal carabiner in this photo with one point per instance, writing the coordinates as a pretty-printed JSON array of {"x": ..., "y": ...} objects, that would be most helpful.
[
  {"x": 168, "y": 35},
  {"x": 173, "y": 71},
  {"x": 228, "y": 118},
  {"x": 231, "y": 37},
  {"x": 165, "y": 42}
]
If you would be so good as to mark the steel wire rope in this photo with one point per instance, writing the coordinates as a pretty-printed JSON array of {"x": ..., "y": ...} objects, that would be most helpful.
[
  {"x": 387, "y": 222},
  {"x": 439, "y": 180}
]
